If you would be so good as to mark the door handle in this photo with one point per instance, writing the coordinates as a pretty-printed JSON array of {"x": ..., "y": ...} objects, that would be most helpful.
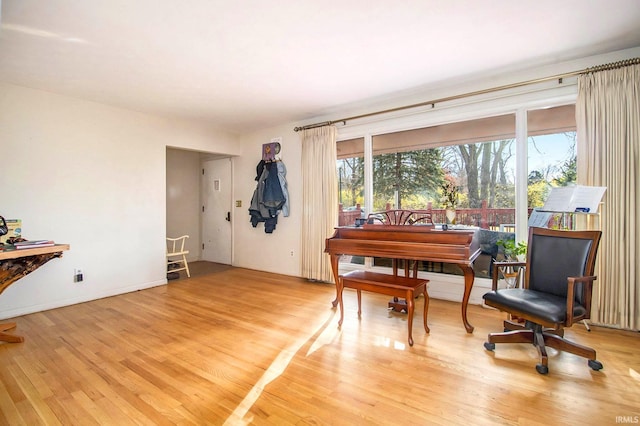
[{"x": 228, "y": 218}]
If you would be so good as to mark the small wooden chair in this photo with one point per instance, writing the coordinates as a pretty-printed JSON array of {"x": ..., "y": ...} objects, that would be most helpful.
[{"x": 177, "y": 255}]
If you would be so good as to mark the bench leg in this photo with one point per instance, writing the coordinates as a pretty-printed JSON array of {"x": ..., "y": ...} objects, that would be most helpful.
[{"x": 359, "y": 302}]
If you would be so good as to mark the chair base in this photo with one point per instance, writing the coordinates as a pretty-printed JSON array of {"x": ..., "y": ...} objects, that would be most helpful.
[{"x": 541, "y": 338}]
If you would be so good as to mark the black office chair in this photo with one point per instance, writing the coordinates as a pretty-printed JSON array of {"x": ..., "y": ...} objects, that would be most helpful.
[{"x": 556, "y": 293}]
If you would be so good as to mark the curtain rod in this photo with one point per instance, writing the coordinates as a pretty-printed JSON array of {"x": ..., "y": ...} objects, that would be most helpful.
[{"x": 558, "y": 77}]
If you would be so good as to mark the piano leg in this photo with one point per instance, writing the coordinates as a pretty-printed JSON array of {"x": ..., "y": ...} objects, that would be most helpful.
[
  {"x": 334, "y": 267},
  {"x": 410, "y": 306},
  {"x": 426, "y": 308},
  {"x": 339, "y": 288},
  {"x": 469, "y": 276}
]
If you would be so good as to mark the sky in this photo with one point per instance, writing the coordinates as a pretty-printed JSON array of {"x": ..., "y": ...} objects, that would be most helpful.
[{"x": 551, "y": 150}]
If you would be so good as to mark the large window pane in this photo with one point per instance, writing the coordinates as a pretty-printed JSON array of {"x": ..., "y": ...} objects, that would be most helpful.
[
  {"x": 350, "y": 171},
  {"x": 412, "y": 170},
  {"x": 551, "y": 156}
]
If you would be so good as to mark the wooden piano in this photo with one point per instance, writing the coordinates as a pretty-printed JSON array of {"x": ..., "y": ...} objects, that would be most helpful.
[{"x": 409, "y": 242}]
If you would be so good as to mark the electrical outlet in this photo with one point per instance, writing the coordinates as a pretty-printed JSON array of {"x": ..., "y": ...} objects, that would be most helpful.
[
  {"x": 291, "y": 253},
  {"x": 78, "y": 275}
]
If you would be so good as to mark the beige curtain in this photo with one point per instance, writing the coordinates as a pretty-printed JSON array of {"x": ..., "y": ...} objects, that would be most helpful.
[
  {"x": 608, "y": 128},
  {"x": 320, "y": 200}
]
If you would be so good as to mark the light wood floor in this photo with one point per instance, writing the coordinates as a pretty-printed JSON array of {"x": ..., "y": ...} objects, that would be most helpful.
[{"x": 237, "y": 346}]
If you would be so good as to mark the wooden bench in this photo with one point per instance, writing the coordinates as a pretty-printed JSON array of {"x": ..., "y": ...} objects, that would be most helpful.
[{"x": 391, "y": 285}]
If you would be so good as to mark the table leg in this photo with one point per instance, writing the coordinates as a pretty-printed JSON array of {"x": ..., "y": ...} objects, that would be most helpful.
[
  {"x": 11, "y": 270},
  {"x": 6, "y": 337}
]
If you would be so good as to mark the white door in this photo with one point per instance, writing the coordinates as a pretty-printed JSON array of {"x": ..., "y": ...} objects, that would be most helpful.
[{"x": 216, "y": 211}]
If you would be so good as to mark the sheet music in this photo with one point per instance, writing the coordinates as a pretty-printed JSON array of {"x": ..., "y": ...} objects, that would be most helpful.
[
  {"x": 539, "y": 219},
  {"x": 559, "y": 199},
  {"x": 579, "y": 198},
  {"x": 587, "y": 198}
]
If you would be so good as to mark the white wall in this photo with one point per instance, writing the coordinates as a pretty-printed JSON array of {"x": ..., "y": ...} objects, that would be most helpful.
[
  {"x": 253, "y": 248},
  {"x": 92, "y": 176},
  {"x": 183, "y": 198}
]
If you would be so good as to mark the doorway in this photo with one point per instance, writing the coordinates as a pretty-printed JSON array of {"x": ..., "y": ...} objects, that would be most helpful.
[
  {"x": 216, "y": 211},
  {"x": 185, "y": 201}
]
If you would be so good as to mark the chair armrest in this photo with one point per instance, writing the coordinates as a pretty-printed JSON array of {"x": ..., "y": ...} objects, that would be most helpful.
[
  {"x": 496, "y": 274},
  {"x": 586, "y": 295}
]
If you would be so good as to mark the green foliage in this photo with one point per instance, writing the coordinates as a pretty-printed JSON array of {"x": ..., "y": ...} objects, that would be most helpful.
[
  {"x": 568, "y": 172},
  {"x": 504, "y": 196},
  {"x": 351, "y": 181},
  {"x": 415, "y": 202},
  {"x": 511, "y": 249},
  {"x": 537, "y": 193},
  {"x": 406, "y": 174}
]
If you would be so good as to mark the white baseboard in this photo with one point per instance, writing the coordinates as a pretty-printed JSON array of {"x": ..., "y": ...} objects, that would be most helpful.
[{"x": 30, "y": 309}]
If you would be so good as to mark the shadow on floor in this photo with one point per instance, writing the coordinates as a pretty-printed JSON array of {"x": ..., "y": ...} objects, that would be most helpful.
[{"x": 200, "y": 268}]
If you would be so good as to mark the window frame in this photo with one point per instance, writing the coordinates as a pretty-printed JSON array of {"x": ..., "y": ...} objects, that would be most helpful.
[{"x": 540, "y": 96}]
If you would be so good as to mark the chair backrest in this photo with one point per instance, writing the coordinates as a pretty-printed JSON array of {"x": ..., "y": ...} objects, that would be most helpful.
[
  {"x": 553, "y": 256},
  {"x": 176, "y": 245}
]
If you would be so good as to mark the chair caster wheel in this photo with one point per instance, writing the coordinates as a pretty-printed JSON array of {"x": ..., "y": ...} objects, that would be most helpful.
[
  {"x": 542, "y": 369},
  {"x": 489, "y": 346},
  {"x": 595, "y": 365}
]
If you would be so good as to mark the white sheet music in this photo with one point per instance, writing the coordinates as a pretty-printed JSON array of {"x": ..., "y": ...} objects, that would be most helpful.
[
  {"x": 539, "y": 219},
  {"x": 577, "y": 198}
]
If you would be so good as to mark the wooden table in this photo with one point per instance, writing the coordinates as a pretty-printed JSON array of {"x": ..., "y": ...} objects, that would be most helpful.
[{"x": 15, "y": 264}]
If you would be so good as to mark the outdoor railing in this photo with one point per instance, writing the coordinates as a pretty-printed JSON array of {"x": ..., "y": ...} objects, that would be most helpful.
[
  {"x": 348, "y": 217},
  {"x": 502, "y": 219}
]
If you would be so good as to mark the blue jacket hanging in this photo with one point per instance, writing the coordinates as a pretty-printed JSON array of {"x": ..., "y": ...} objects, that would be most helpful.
[{"x": 268, "y": 197}]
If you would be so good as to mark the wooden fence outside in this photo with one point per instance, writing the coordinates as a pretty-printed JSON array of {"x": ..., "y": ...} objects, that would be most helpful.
[{"x": 502, "y": 219}]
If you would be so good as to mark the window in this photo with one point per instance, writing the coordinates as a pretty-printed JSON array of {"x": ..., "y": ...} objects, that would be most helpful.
[
  {"x": 412, "y": 169},
  {"x": 552, "y": 156},
  {"x": 350, "y": 169}
]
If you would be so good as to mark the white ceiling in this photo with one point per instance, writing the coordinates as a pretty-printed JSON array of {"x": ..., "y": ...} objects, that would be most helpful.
[{"x": 248, "y": 64}]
